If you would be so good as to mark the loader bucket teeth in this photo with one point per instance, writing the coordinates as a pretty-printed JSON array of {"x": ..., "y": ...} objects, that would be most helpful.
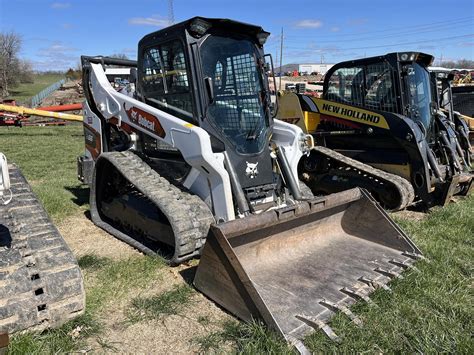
[{"x": 294, "y": 268}]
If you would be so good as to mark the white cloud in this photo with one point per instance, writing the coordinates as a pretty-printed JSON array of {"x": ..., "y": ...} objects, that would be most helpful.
[
  {"x": 55, "y": 48},
  {"x": 154, "y": 20},
  {"x": 67, "y": 26},
  {"x": 335, "y": 29},
  {"x": 309, "y": 24},
  {"x": 56, "y": 56},
  {"x": 60, "y": 5}
]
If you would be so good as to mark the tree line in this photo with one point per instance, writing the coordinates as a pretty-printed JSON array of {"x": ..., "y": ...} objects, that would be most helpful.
[
  {"x": 13, "y": 69},
  {"x": 458, "y": 64}
]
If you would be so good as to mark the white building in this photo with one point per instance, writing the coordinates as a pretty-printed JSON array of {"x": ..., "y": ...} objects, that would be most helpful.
[{"x": 314, "y": 68}]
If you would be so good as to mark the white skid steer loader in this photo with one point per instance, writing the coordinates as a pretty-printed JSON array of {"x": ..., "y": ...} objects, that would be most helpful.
[{"x": 193, "y": 163}]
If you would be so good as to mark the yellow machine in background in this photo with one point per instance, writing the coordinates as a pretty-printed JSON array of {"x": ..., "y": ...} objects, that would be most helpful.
[{"x": 371, "y": 132}]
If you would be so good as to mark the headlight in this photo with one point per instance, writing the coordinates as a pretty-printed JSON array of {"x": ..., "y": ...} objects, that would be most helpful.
[
  {"x": 262, "y": 37},
  {"x": 199, "y": 27}
]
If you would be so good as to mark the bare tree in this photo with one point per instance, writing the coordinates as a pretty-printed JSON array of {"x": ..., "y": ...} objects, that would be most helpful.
[
  {"x": 119, "y": 56},
  {"x": 10, "y": 44},
  {"x": 460, "y": 64},
  {"x": 26, "y": 71}
]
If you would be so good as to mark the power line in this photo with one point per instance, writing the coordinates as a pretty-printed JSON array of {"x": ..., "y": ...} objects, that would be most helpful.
[
  {"x": 404, "y": 28},
  {"x": 396, "y": 44},
  {"x": 437, "y": 29}
]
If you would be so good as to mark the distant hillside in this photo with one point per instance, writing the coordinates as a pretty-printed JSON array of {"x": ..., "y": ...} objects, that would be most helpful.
[{"x": 286, "y": 68}]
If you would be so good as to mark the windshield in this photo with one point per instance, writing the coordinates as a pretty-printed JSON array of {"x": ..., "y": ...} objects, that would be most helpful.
[
  {"x": 418, "y": 94},
  {"x": 238, "y": 109}
]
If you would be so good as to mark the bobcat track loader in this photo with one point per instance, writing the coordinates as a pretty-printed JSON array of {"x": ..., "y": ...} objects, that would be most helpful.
[
  {"x": 378, "y": 126},
  {"x": 40, "y": 282},
  {"x": 193, "y": 164}
]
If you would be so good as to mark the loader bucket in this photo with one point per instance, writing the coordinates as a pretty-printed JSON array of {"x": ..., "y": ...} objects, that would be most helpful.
[{"x": 294, "y": 267}]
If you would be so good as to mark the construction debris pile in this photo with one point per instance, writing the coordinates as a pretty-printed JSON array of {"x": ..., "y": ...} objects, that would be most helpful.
[
  {"x": 67, "y": 98},
  {"x": 71, "y": 92}
]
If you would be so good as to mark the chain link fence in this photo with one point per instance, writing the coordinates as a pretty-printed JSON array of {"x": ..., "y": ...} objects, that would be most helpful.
[{"x": 34, "y": 101}]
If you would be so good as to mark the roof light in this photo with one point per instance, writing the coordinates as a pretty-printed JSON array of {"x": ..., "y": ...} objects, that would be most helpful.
[
  {"x": 262, "y": 37},
  {"x": 199, "y": 27}
]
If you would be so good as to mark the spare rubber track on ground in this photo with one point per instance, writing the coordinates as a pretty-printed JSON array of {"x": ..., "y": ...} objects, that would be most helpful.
[
  {"x": 403, "y": 186},
  {"x": 41, "y": 284},
  {"x": 188, "y": 215}
]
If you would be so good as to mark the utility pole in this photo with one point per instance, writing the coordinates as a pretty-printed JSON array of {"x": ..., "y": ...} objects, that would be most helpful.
[
  {"x": 281, "y": 54},
  {"x": 170, "y": 12},
  {"x": 276, "y": 57}
]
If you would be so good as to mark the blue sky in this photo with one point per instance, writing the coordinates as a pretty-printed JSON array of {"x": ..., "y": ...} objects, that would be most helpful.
[{"x": 56, "y": 32}]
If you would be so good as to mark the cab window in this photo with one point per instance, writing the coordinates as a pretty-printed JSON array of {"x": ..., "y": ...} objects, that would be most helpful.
[
  {"x": 165, "y": 80},
  {"x": 371, "y": 86}
]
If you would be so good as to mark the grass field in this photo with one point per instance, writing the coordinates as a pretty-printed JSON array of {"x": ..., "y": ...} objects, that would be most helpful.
[
  {"x": 430, "y": 311},
  {"x": 41, "y": 81},
  {"x": 47, "y": 157}
]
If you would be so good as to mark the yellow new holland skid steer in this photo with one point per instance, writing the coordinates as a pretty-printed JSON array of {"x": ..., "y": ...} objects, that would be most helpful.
[
  {"x": 379, "y": 126},
  {"x": 193, "y": 163}
]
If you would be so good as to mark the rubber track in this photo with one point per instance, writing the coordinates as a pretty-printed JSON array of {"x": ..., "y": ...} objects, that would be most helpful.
[
  {"x": 41, "y": 284},
  {"x": 403, "y": 186},
  {"x": 188, "y": 215}
]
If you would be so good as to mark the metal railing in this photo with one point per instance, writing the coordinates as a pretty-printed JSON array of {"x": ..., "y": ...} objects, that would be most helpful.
[{"x": 34, "y": 101}]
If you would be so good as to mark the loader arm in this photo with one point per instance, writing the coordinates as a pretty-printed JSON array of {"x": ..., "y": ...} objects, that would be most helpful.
[{"x": 192, "y": 141}]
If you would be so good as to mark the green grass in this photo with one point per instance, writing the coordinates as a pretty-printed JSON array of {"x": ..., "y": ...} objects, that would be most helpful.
[
  {"x": 47, "y": 157},
  {"x": 40, "y": 81},
  {"x": 91, "y": 262},
  {"x": 165, "y": 304},
  {"x": 247, "y": 338},
  {"x": 427, "y": 312},
  {"x": 115, "y": 278},
  {"x": 106, "y": 281},
  {"x": 68, "y": 338}
]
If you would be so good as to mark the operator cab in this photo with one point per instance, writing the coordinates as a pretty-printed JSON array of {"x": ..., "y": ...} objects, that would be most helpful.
[
  {"x": 212, "y": 74},
  {"x": 228, "y": 66},
  {"x": 373, "y": 83}
]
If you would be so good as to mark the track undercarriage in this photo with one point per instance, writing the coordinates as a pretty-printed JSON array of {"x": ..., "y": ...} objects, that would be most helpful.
[{"x": 40, "y": 281}]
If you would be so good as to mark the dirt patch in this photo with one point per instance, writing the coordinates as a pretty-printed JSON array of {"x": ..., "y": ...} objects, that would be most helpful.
[
  {"x": 169, "y": 334},
  {"x": 83, "y": 237},
  {"x": 411, "y": 215}
]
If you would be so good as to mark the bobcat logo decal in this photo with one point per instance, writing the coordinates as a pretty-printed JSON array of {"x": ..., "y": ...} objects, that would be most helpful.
[{"x": 251, "y": 170}]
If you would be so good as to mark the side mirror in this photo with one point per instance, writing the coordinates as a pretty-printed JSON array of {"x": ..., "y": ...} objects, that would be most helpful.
[{"x": 209, "y": 88}]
